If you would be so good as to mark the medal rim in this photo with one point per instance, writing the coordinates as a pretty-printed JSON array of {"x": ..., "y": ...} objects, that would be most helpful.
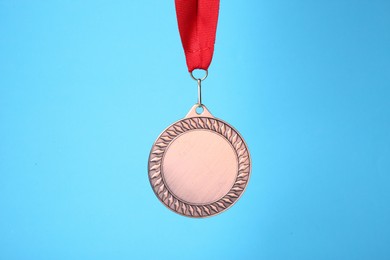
[{"x": 183, "y": 201}]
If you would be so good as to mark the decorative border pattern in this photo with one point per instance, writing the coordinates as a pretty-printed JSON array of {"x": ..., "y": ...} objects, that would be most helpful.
[{"x": 155, "y": 167}]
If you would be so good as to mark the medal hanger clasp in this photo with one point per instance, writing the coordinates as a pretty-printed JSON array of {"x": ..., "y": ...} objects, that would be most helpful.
[
  {"x": 199, "y": 81},
  {"x": 199, "y": 109}
]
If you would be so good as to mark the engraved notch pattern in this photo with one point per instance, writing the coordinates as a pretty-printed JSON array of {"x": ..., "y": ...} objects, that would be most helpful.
[{"x": 183, "y": 207}]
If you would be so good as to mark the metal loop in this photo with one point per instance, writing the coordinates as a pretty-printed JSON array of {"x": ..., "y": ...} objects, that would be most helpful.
[
  {"x": 201, "y": 79},
  {"x": 201, "y": 106}
]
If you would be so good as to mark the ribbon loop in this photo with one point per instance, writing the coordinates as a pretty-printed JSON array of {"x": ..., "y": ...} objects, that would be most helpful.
[{"x": 197, "y": 20}]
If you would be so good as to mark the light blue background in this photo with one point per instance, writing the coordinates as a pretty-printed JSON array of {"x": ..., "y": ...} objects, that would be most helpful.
[{"x": 87, "y": 86}]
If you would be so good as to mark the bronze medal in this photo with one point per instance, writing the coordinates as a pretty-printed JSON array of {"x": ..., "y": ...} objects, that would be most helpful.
[{"x": 199, "y": 166}]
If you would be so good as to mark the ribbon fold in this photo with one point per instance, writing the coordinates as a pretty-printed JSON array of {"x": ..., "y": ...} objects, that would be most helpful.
[{"x": 197, "y": 20}]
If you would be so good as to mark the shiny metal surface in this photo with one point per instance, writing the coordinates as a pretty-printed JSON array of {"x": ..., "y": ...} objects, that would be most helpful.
[{"x": 199, "y": 166}]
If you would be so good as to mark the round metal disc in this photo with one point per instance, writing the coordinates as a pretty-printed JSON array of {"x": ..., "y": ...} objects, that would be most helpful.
[{"x": 199, "y": 166}]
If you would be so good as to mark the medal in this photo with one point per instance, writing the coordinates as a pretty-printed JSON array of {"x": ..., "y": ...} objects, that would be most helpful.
[{"x": 200, "y": 165}]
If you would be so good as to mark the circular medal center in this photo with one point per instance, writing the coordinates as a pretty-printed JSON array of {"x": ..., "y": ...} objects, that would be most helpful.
[{"x": 200, "y": 167}]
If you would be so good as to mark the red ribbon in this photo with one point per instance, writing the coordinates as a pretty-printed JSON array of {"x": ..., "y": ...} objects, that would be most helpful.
[{"x": 197, "y": 21}]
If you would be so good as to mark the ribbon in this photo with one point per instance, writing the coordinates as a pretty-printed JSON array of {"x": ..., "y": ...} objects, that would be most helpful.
[{"x": 197, "y": 20}]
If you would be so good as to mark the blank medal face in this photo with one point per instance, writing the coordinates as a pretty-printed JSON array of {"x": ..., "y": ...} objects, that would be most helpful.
[{"x": 199, "y": 166}]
